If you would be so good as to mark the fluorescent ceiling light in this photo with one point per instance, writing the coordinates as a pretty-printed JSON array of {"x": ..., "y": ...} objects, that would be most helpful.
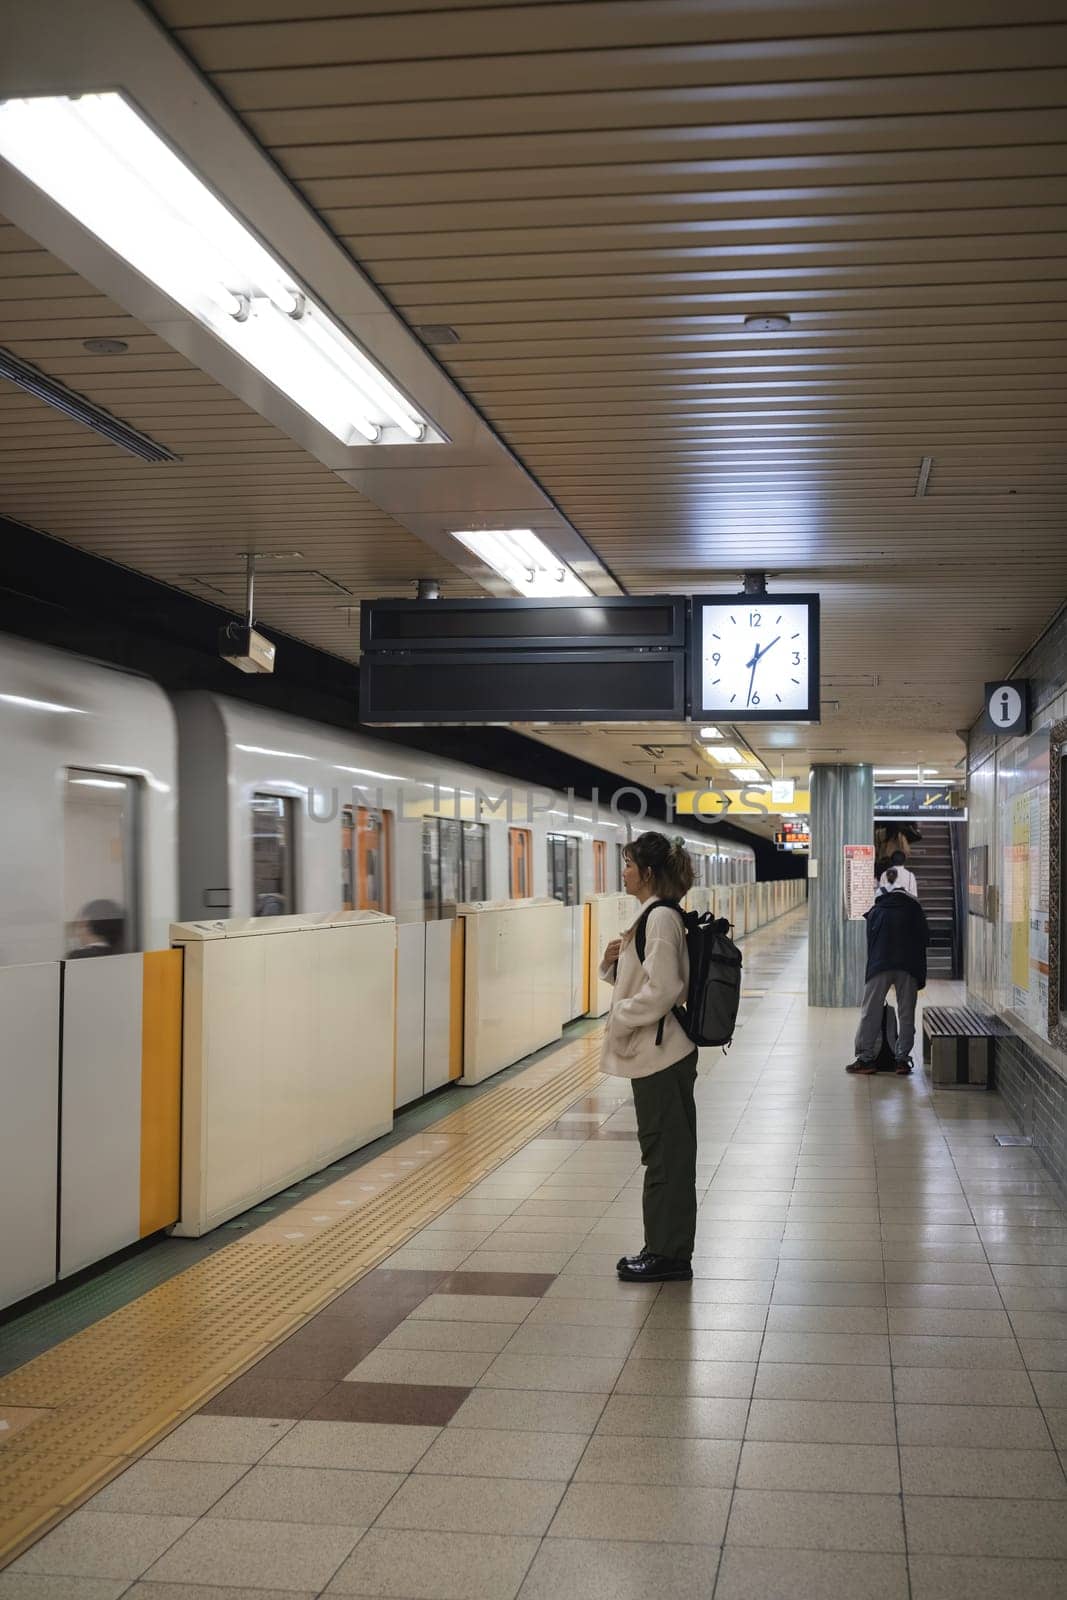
[
  {"x": 41, "y": 705},
  {"x": 710, "y": 733},
  {"x": 99, "y": 783},
  {"x": 524, "y": 561},
  {"x": 746, "y": 773},
  {"x": 726, "y": 756},
  {"x": 99, "y": 159},
  {"x": 896, "y": 772}
]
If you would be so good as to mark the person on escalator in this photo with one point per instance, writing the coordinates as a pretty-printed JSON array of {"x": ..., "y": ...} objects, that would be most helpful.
[
  {"x": 645, "y": 1042},
  {"x": 897, "y": 937}
]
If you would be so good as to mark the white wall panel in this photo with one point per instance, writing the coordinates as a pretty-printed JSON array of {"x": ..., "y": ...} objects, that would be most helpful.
[
  {"x": 610, "y": 915},
  {"x": 100, "y": 1161},
  {"x": 287, "y": 1053},
  {"x": 437, "y": 1001},
  {"x": 410, "y": 1011},
  {"x": 29, "y": 1126},
  {"x": 518, "y": 983}
]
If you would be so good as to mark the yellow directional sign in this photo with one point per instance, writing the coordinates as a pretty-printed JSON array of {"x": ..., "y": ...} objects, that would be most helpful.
[{"x": 751, "y": 801}]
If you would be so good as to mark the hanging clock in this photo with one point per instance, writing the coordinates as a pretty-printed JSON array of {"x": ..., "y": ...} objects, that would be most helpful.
[{"x": 755, "y": 658}]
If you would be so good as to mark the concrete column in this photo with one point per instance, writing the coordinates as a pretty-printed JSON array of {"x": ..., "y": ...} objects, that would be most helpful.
[{"x": 842, "y": 812}]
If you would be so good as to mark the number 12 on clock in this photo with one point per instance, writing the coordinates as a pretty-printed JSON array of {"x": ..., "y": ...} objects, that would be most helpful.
[{"x": 755, "y": 658}]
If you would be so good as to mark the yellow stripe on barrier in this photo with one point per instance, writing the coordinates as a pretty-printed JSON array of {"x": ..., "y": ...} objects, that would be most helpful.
[{"x": 161, "y": 1088}]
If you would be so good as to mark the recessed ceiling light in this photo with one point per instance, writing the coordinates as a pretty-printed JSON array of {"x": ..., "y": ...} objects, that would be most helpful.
[
  {"x": 747, "y": 774},
  {"x": 710, "y": 733},
  {"x": 524, "y": 561},
  {"x": 105, "y": 347},
  {"x": 768, "y": 324},
  {"x": 725, "y": 755}
]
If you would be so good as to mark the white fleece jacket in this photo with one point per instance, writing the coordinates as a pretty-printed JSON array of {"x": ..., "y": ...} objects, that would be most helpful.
[{"x": 645, "y": 992}]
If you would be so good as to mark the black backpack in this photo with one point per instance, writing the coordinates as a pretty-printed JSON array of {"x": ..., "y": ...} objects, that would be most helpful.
[{"x": 710, "y": 1011}]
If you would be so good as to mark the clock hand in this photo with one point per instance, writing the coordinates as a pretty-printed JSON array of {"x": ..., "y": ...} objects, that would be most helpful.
[{"x": 754, "y": 663}]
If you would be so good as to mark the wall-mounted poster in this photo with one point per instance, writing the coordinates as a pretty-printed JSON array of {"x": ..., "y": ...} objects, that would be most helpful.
[
  {"x": 859, "y": 880},
  {"x": 978, "y": 880}
]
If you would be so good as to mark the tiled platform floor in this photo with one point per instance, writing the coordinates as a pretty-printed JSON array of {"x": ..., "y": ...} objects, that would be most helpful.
[{"x": 863, "y": 1392}]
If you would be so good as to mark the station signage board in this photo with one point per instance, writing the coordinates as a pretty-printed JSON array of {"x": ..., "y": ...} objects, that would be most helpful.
[{"x": 915, "y": 800}]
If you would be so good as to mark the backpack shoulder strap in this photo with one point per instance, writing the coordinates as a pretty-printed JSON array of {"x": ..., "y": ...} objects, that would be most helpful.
[{"x": 639, "y": 926}]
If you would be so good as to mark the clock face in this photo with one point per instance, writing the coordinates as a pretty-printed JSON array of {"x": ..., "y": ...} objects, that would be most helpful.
[{"x": 757, "y": 657}]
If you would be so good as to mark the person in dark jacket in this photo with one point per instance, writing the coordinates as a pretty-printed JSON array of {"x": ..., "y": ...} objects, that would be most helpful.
[{"x": 897, "y": 937}]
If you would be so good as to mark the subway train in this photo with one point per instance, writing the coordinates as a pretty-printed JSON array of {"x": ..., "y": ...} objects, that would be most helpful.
[{"x": 127, "y": 809}]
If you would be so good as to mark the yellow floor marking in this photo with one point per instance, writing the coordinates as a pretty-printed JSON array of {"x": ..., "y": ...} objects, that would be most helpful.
[{"x": 111, "y": 1391}]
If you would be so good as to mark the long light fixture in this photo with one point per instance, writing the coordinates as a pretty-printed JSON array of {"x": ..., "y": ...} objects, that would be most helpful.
[
  {"x": 524, "y": 561},
  {"x": 99, "y": 159}
]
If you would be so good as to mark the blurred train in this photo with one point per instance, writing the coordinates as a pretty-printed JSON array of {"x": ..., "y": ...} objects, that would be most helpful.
[{"x": 127, "y": 809}]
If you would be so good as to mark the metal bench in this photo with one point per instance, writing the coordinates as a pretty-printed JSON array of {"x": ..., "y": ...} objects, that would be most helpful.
[{"x": 958, "y": 1045}]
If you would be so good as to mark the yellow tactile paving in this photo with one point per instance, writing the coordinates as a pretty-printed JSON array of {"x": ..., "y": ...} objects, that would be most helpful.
[{"x": 111, "y": 1390}]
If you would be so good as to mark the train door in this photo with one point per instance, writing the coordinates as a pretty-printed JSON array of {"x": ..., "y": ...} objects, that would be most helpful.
[
  {"x": 100, "y": 859},
  {"x": 273, "y": 875},
  {"x": 600, "y": 866},
  {"x": 520, "y": 878},
  {"x": 373, "y": 858}
]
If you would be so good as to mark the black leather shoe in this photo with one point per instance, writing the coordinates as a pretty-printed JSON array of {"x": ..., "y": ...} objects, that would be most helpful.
[
  {"x": 626, "y": 1261},
  {"x": 655, "y": 1269}
]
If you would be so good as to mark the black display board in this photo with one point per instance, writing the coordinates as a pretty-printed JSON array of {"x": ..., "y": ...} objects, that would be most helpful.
[{"x": 614, "y": 659}]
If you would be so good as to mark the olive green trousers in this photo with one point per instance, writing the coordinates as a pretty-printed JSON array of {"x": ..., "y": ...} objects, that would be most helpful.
[{"x": 667, "y": 1133}]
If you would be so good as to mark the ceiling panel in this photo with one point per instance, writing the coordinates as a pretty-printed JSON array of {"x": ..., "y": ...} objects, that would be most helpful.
[{"x": 596, "y": 194}]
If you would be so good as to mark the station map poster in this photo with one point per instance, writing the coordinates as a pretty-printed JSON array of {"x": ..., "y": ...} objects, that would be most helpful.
[
  {"x": 1024, "y": 816},
  {"x": 978, "y": 880},
  {"x": 859, "y": 880}
]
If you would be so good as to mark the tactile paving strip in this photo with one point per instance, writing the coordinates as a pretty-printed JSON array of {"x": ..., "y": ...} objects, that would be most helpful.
[{"x": 114, "y": 1388}]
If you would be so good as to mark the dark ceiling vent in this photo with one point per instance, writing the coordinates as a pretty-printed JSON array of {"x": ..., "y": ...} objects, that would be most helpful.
[
  {"x": 436, "y": 333},
  {"x": 32, "y": 381}
]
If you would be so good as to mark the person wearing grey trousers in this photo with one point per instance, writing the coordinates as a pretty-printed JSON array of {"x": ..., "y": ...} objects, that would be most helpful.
[{"x": 897, "y": 937}]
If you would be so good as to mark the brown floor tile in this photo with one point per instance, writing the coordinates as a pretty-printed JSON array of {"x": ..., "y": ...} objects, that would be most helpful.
[
  {"x": 327, "y": 1347},
  {"x": 417, "y": 1404},
  {"x": 517, "y": 1283},
  {"x": 253, "y": 1396},
  {"x": 383, "y": 1291}
]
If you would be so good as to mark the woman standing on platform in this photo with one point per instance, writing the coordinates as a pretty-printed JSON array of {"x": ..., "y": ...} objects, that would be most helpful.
[{"x": 645, "y": 1042}]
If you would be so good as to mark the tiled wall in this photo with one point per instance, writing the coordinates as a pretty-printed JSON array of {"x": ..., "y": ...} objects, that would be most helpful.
[
  {"x": 1008, "y": 804},
  {"x": 1037, "y": 1096}
]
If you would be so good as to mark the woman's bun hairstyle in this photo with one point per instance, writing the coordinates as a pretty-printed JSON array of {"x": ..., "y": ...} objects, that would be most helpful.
[{"x": 667, "y": 859}]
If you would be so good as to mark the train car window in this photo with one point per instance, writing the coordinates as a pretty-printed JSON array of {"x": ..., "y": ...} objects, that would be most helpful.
[
  {"x": 475, "y": 871},
  {"x": 600, "y": 866},
  {"x": 431, "y": 870},
  {"x": 450, "y": 865},
  {"x": 563, "y": 863},
  {"x": 100, "y": 857},
  {"x": 520, "y": 880},
  {"x": 272, "y": 856},
  {"x": 373, "y": 840},
  {"x": 348, "y": 858},
  {"x": 574, "y": 891}
]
